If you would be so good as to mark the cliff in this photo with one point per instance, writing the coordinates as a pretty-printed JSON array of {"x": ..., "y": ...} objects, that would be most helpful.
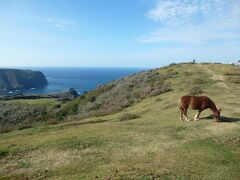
[{"x": 11, "y": 79}]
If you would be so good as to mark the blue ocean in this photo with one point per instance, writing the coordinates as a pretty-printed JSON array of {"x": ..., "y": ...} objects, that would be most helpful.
[{"x": 80, "y": 78}]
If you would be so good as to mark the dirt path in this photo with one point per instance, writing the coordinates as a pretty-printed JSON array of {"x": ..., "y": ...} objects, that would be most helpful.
[{"x": 215, "y": 76}]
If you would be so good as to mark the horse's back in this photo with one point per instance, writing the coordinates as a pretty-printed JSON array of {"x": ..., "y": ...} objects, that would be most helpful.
[{"x": 195, "y": 102}]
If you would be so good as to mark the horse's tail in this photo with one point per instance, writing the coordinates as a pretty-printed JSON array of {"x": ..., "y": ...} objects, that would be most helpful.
[
  {"x": 180, "y": 102},
  {"x": 180, "y": 105}
]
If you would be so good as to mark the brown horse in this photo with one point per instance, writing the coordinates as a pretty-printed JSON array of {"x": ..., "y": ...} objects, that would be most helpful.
[{"x": 199, "y": 103}]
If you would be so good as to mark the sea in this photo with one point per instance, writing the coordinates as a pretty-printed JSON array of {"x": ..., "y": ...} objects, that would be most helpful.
[{"x": 82, "y": 79}]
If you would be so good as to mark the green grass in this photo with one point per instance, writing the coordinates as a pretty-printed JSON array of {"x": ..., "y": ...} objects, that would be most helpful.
[
  {"x": 45, "y": 102},
  {"x": 155, "y": 145}
]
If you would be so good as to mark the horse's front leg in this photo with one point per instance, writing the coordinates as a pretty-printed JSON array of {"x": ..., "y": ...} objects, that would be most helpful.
[{"x": 196, "y": 117}]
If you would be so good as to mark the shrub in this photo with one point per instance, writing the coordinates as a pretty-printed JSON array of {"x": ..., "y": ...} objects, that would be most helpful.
[
  {"x": 161, "y": 89},
  {"x": 172, "y": 64},
  {"x": 234, "y": 79},
  {"x": 147, "y": 90},
  {"x": 232, "y": 73},
  {"x": 14, "y": 116},
  {"x": 24, "y": 126},
  {"x": 3, "y": 153},
  {"x": 98, "y": 106},
  {"x": 61, "y": 115},
  {"x": 187, "y": 73},
  {"x": 52, "y": 121},
  {"x": 197, "y": 81},
  {"x": 119, "y": 94},
  {"x": 234, "y": 76},
  {"x": 92, "y": 98},
  {"x": 82, "y": 96},
  {"x": 195, "y": 90},
  {"x": 57, "y": 106},
  {"x": 195, "y": 86},
  {"x": 128, "y": 116}
]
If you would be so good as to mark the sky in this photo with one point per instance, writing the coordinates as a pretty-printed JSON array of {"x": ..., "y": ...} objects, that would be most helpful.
[{"x": 118, "y": 33}]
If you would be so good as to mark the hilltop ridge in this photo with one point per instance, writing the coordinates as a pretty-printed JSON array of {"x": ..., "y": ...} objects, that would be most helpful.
[
  {"x": 118, "y": 95},
  {"x": 188, "y": 78}
]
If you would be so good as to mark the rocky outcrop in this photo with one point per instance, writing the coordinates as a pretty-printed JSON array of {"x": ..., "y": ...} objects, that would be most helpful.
[
  {"x": 63, "y": 96},
  {"x": 12, "y": 79}
]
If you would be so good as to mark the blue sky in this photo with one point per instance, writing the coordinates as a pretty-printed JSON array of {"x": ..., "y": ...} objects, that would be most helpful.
[{"x": 118, "y": 33}]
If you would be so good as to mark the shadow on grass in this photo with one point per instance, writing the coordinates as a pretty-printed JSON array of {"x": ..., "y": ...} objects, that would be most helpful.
[
  {"x": 61, "y": 126},
  {"x": 222, "y": 118},
  {"x": 229, "y": 119},
  {"x": 84, "y": 123}
]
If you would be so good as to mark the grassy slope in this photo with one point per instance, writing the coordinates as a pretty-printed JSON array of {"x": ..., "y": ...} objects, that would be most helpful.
[
  {"x": 44, "y": 102},
  {"x": 156, "y": 145}
]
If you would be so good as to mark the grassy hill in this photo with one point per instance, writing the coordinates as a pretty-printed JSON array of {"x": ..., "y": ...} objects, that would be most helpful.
[{"x": 140, "y": 139}]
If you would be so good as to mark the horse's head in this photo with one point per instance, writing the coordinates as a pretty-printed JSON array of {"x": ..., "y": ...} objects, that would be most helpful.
[{"x": 216, "y": 114}]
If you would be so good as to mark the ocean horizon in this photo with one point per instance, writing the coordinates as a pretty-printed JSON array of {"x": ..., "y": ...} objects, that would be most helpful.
[{"x": 61, "y": 79}]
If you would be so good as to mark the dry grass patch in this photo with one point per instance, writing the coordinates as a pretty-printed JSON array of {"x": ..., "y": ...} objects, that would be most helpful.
[
  {"x": 222, "y": 128},
  {"x": 222, "y": 85},
  {"x": 37, "y": 163}
]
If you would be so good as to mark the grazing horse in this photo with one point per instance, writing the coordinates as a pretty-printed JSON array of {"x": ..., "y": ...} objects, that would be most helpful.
[{"x": 199, "y": 103}]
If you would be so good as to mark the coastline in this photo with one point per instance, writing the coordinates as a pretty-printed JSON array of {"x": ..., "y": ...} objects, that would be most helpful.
[{"x": 82, "y": 79}]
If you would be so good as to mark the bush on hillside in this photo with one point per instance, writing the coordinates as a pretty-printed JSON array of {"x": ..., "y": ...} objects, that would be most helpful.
[
  {"x": 92, "y": 98},
  {"x": 15, "y": 116},
  {"x": 160, "y": 90},
  {"x": 234, "y": 79},
  {"x": 197, "y": 81},
  {"x": 52, "y": 121},
  {"x": 24, "y": 126},
  {"x": 232, "y": 74},
  {"x": 195, "y": 90},
  {"x": 187, "y": 73},
  {"x": 128, "y": 116},
  {"x": 195, "y": 86},
  {"x": 119, "y": 94}
]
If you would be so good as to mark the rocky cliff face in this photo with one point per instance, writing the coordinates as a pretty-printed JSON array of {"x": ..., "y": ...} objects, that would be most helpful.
[{"x": 11, "y": 79}]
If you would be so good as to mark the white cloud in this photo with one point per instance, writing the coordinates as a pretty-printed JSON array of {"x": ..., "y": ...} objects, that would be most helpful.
[
  {"x": 194, "y": 22},
  {"x": 60, "y": 23},
  {"x": 169, "y": 11},
  {"x": 191, "y": 35}
]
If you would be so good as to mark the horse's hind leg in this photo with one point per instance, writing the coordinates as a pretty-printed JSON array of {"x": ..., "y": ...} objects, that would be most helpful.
[
  {"x": 185, "y": 114},
  {"x": 181, "y": 113}
]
